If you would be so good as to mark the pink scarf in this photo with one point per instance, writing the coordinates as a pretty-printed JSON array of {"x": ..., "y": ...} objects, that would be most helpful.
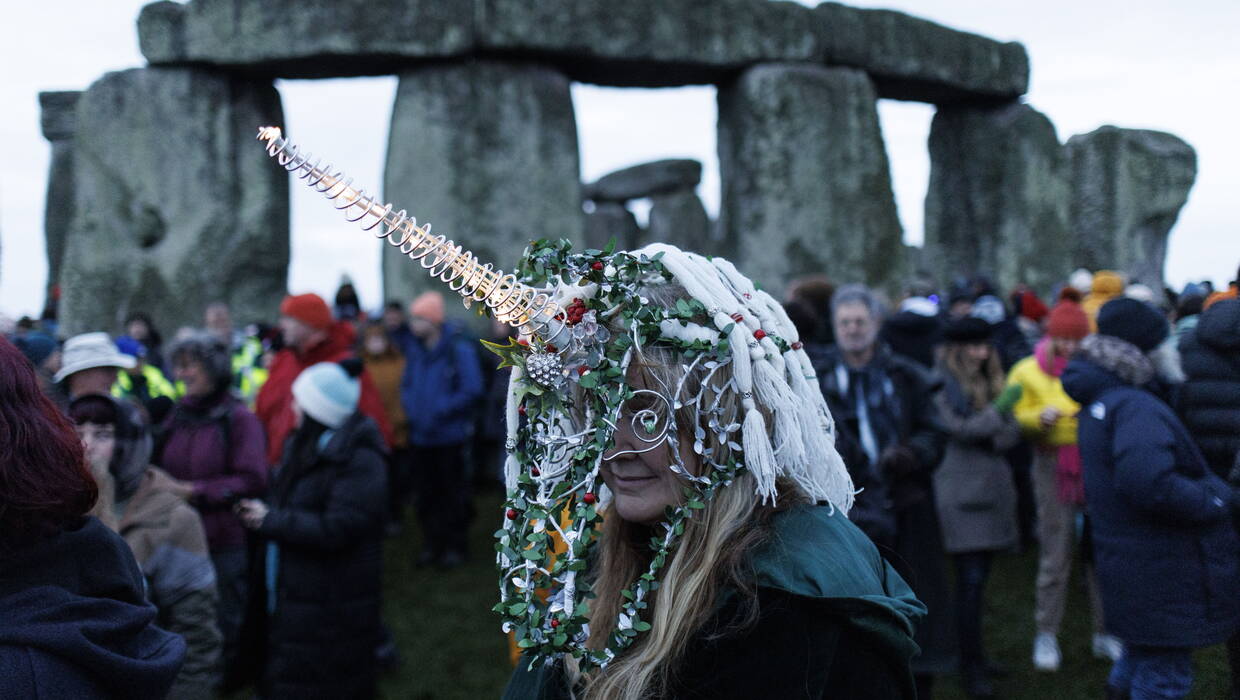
[
  {"x": 1069, "y": 484},
  {"x": 1051, "y": 364}
]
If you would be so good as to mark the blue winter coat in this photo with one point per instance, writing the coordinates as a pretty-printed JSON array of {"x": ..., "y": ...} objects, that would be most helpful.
[
  {"x": 1166, "y": 554},
  {"x": 441, "y": 388},
  {"x": 74, "y": 622}
]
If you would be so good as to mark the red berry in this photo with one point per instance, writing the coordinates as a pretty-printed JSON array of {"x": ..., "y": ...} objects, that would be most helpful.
[
  {"x": 534, "y": 471},
  {"x": 554, "y": 623},
  {"x": 521, "y": 409},
  {"x": 523, "y": 342},
  {"x": 582, "y": 369},
  {"x": 596, "y": 265},
  {"x": 589, "y": 498},
  {"x": 797, "y": 345},
  {"x": 512, "y": 514},
  {"x": 552, "y": 348},
  {"x": 759, "y": 334}
]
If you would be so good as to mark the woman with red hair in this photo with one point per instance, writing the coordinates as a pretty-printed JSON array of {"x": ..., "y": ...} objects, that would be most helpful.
[{"x": 76, "y": 623}]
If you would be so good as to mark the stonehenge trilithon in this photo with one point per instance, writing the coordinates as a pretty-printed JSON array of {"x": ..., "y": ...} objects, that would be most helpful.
[
  {"x": 1128, "y": 186},
  {"x": 676, "y": 212},
  {"x": 806, "y": 186},
  {"x": 179, "y": 203},
  {"x": 486, "y": 152},
  {"x": 59, "y": 122},
  {"x": 640, "y": 42},
  {"x": 175, "y": 206},
  {"x": 997, "y": 203}
]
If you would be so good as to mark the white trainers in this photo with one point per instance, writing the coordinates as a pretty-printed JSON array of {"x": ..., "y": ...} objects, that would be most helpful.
[
  {"x": 1046, "y": 656},
  {"x": 1107, "y": 647}
]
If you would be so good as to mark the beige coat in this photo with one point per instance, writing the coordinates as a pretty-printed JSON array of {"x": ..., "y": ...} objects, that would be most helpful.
[{"x": 973, "y": 489}]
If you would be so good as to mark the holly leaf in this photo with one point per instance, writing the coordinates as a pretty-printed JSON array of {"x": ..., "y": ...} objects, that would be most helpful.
[{"x": 509, "y": 353}]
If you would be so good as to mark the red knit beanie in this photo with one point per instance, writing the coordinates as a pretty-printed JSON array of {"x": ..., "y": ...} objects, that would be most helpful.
[
  {"x": 1067, "y": 320},
  {"x": 310, "y": 309},
  {"x": 1031, "y": 307}
]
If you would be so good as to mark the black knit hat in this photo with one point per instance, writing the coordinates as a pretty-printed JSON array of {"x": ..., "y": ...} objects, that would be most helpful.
[
  {"x": 969, "y": 329},
  {"x": 1134, "y": 321}
]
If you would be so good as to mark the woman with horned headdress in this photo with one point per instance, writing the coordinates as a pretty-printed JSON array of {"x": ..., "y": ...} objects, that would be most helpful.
[
  {"x": 676, "y": 516},
  {"x": 682, "y": 410}
]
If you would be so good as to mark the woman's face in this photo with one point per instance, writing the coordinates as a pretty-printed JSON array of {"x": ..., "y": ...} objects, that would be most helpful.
[
  {"x": 100, "y": 443},
  {"x": 637, "y": 468},
  {"x": 978, "y": 354},
  {"x": 138, "y": 330},
  {"x": 197, "y": 382},
  {"x": 1064, "y": 347}
]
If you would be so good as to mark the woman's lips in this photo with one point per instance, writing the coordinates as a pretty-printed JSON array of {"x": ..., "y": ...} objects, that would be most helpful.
[
  {"x": 633, "y": 479},
  {"x": 631, "y": 475}
]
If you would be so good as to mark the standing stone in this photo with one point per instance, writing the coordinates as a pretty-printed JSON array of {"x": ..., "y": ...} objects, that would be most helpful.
[
  {"x": 487, "y": 153},
  {"x": 613, "y": 220},
  {"x": 680, "y": 219},
  {"x": 176, "y": 204},
  {"x": 997, "y": 204},
  {"x": 806, "y": 186},
  {"x": 59, "y": 122},
  {"x": 1128, "y": 186}
]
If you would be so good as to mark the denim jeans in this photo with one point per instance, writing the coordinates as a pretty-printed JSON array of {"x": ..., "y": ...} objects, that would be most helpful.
[{"x": 1153, "y": 673}]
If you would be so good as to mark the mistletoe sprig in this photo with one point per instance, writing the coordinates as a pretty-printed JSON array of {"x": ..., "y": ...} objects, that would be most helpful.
[{"x": 551, "y": 514}]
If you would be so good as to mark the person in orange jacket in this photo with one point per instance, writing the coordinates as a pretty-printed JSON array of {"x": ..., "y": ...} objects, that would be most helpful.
[{"x": 311, "y": 336}]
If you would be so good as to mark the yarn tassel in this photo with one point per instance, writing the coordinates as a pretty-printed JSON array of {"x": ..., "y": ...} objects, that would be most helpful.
[
  {"x": 759, "y": 457},
  {"x": 772, "y": 392}
]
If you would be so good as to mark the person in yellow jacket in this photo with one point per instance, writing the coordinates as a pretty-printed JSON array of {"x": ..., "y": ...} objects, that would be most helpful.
[
  {"x": 1047, "y": 417},
  {"x": 1106, "y": 286}
]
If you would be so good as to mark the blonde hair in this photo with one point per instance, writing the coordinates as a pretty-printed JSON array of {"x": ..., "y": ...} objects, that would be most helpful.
[{"x": 981, "y": 387}]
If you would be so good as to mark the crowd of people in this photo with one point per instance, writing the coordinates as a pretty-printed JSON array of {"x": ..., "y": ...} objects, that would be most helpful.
[{"x": 241, "y": 483}]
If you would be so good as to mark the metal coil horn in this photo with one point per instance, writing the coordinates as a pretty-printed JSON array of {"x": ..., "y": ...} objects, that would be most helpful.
[{"x": 506, "y": 298}]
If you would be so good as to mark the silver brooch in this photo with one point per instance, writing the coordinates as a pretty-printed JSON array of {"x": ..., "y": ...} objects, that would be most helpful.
[{"x": 546, "y": 369}]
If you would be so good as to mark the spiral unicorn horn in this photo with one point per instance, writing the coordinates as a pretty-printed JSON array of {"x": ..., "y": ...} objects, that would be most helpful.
[{"x": 508, "y": 300}]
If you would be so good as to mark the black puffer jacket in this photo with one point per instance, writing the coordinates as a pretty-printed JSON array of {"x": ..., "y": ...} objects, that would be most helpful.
[
  {"x": 1209, "y": 399},
  {"x": 327, "y": 517}
]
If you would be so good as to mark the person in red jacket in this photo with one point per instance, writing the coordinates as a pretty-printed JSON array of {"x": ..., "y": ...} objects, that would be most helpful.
[{"x": 311, "y": 336}]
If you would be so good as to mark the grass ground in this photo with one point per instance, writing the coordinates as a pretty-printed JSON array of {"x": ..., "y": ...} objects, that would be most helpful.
[{"x": 452, "y": 647}]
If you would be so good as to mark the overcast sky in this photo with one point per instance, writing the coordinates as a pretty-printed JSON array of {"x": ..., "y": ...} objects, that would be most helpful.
[{"x": 1168, "y": 66}]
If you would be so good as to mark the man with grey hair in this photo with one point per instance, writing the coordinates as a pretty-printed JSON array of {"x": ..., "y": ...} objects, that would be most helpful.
[{"x": 890, "y": 438}]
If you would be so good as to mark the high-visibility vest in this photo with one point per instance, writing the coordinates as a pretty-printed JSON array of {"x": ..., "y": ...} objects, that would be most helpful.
[
  {"x": 153, "y": 382},
  {"x": 249, "y": 375}
]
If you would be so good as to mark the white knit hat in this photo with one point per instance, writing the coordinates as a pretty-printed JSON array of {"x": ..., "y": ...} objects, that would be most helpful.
[
  {"x": 90, "y": 350},
  {"x": 327, "y": 393}
]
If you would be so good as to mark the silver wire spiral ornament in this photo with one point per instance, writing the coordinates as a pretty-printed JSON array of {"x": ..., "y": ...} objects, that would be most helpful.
[{"x": 508, "y": 300}]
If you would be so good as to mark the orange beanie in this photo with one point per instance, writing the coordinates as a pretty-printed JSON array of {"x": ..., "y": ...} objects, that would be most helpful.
[{"x": 310, "y": 309}]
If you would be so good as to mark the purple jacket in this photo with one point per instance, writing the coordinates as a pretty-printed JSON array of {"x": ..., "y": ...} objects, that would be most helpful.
[{"x": 219, "y": 445}]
